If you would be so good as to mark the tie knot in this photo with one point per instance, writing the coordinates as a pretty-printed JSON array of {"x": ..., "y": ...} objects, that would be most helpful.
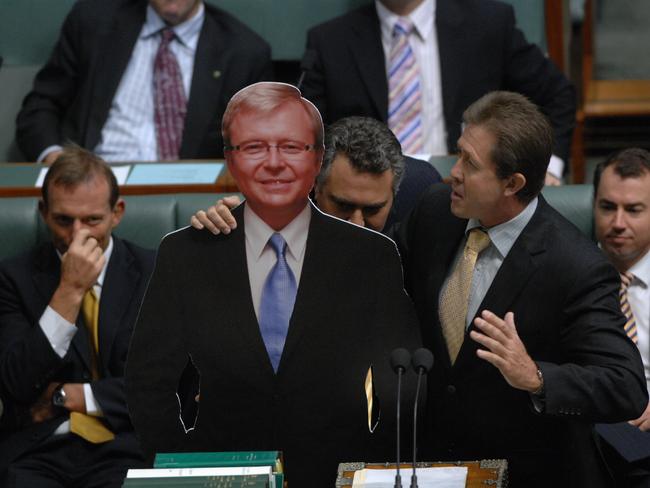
[
  {"x": 167, "y": 35},
  {"x": 626, "y": 279},
  {"x": 90, "y": 295},
  {"x": 278, "y": 243},
  {"x": 477, "y": 240},
  {"x": 403, "y": 27}
]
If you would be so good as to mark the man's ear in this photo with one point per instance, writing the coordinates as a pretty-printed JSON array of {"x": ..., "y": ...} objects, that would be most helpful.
[
  {"x": 118, "y": 212},
  {"x": 516, "y": 182},
  {"x": 42, "y": 208}
]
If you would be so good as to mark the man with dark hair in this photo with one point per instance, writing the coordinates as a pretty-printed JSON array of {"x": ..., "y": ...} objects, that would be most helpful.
[
  {"x": 140, "y": 80},
  {"x": 520, "y": 309},
  {"x": 622, "y": 225},
  {"x": 288, "y": 319},
  {"x": 364, "y": 179},
  {"x": 67, "y": 309},
  {"x": 418, "y": 64},
  {"x": 362, "y": 160}
]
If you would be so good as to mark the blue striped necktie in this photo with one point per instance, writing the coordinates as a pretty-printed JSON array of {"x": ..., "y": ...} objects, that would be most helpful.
[
  {"x": 276, "y": 306},
  {"x": 404, "y": 90}
]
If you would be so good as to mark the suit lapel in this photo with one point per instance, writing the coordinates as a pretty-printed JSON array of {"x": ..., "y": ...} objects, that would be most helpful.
[
  {"x": 210, "y": 64},
  {"x": 240, "y": 301},
  {"x": 449, "y": 17},
  {"x": 112, "y": 61},
  {"x": 517, "y": 268},
  {"x": 368, "y": 51},
  {"x": 117, "y": 292}
]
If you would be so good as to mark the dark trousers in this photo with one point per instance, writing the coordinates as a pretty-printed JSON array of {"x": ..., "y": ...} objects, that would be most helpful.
[{"x": 68, "y": 461}]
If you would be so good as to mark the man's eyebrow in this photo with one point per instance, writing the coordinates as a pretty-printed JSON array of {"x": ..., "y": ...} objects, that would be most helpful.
[{"x": 343, "y": 201}]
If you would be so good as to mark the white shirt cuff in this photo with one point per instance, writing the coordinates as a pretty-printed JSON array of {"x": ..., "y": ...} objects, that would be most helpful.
[
  {"x": 46, "y": 151},
  {"x": 92, "y": 407},
  {"x": 59, "y": 331},
  {"x": 556, "y": 166}
]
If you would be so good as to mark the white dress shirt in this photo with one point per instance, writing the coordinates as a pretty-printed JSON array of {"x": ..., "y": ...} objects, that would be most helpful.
[
  {"x": 260, "y": 256},
  {"x": 638, "y": 295},
  {"x": 59, "y": 333},
  {"x": 424, "y": 43}
]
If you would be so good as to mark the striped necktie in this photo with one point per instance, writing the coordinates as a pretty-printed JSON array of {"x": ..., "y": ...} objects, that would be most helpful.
[
  {"x": 404, "y": 90},
  {"x": 276, "y": 305},
  {"x": 630, "y": 322},
  {"x": 455, "y": 297},
  {"x": 170, "y": 104}
]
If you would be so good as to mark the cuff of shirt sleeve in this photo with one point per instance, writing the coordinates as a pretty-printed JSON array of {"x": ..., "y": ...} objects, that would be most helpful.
[
  {"x": 556, "y": 166},
  {"x": 46, "y": 151},
  {"x": 59, "y": 331},
  {"x": 92, "y": 407}
]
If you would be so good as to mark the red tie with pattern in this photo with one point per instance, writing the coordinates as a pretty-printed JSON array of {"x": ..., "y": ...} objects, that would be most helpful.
[{"x": 170, "y": 104}]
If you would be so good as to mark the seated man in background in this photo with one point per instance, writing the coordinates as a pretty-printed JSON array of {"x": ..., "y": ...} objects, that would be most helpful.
[
  {"x": 364, "y": 179},
  {"x": 138, "y": 80},
  {"x": 622, "y": 224},
  {"x": 287, "y": 319},
  {"x": 67, "y": 309},
  {"x": 418, "y": 64}
]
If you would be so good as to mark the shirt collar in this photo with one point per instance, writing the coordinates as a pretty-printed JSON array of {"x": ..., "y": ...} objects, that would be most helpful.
[
  {"x": 423, "y": 18},
  {"x": 641, "y": 271},
  {"x": 503, "y": 236},
  {"x": 187, "y": 32},
  {"x": 295, "y": 233}
]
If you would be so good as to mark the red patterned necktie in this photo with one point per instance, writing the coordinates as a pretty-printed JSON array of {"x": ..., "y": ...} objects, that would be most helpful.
[{"x": 170, "y": 104}]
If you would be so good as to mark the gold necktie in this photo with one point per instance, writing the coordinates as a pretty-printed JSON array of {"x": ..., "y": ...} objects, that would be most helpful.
[
  {"x": 455, "y": 297},
  {"x": 630, "y": 322},
  {"x": 86, "y": 426}
]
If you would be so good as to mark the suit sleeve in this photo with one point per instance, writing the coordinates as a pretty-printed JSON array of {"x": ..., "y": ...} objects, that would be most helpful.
[
  {"x": 601, "y": 378},
  {"x": 27, "y": 360},
  {"x": 157, "y": 357},
  {"x": 531, "y": 73},
  {"x": 39, "y": 122},
  {"x": 313, "y": 87}
]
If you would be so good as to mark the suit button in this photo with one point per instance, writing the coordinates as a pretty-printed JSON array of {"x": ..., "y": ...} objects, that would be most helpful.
[
  {"x": 86, "y": 376},
  {"x": 451, "y": 389}
]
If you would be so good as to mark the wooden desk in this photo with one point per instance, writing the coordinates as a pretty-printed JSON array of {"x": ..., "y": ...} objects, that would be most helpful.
[
  {"x": 17, "y": 180},
  {"x": 488, "y": 472}
]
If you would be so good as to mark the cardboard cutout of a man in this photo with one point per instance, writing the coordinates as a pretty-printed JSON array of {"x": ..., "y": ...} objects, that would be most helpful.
[{"x": 282, "y": 318}]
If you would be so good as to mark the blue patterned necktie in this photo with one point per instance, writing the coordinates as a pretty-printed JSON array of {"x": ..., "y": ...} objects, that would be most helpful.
[{"x": 276, "y": 306}]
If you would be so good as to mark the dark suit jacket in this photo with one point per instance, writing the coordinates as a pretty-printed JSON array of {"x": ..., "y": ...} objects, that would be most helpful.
[
  {"x": 28, "y": 363},
  {"x": 480, "y": 49},
  {"x": 350, "y": 312},
  {"x": 72, "y": 94},
  {"x": 564, "y": 295},
  {"x": 418, "y": 176}
]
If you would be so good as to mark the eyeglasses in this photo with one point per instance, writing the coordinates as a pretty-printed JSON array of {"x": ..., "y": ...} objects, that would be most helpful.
[{"x": 259, "y": 149}]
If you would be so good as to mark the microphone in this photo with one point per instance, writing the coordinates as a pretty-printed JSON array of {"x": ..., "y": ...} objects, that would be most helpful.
[
  {"x": 400, "y": 360},
  {"x": 422, "y": 362},
  {"x": 307, "y": 63}
]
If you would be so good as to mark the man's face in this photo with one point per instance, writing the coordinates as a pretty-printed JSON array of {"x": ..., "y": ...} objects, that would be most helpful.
[
  {"x": 362, "y": 198},
  {"x": 175, "y": 12},
  {"x": 85, "y": 206},
  {"x": 477, "y": 191},
  {"x": 274, "y": 184},
  {"x": 622, "y": 217}
]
